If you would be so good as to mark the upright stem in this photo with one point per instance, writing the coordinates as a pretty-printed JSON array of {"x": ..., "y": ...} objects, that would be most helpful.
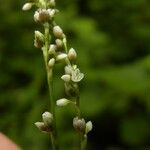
[
  {"x": 83, "y": 142},
  {"x": 53, "y": 135}
]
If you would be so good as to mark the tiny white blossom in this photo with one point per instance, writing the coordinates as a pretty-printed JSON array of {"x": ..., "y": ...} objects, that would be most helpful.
[
  {"x": 66, "y": 77},
  {"x": 59, "y": 43},
  {"x": 51, "y": 12},
  {"x": 89, "y": 127},
  {"x": 51, "y": 62},
  {"x": 68, "y": 69},
  {"x": 39, "y": 35},
  {"x": 61, "y": 56},
  {"x": 52, "y": 3},
  {"x": 77, "y": 76},
  {"x": 72, "y": 55},
  {"x": 27, "y": 6},
  {"x": 62, "y": 102},
  {"x": 58, "y": 32},
  {"x": 36, "y": 16},
  {"x": 52, "y": 49},
  {"x": 47, "y": 118}
]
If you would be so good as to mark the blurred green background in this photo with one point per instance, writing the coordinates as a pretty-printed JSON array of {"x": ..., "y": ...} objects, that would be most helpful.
[{"x": 112, "y": 38}]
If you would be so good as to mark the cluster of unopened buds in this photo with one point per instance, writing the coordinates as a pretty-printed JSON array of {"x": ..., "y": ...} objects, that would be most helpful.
[{"x": 53, "y": 43}]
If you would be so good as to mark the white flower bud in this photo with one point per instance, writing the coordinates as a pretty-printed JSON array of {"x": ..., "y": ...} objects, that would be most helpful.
[
  {"x": 61, "y": 56},
  {"x": 62, "y": 102},
  {"x": 52, "y": 3},
  {"x": 36, "y": 16},
  {"x": 58, "y": 32},
  {"x": 51, "y": 62},
  {"x": 72, "y": 55},
  {"x": 66, "y": 78},
  {"x": 39, "y": 39},
  {"x": 39, "y": 35},
  {"x": 77, "y": 76},
  {"x": 59, "y": 43},
  {"x": 27, "y": 6},
  {"x": 89, "y": 127},
  {"x": 51, "y": 12},
  {"x": 52, "y": 49},
  {"x": 42, "y": 127},
  {"x": 47, "y": 118},
  {"x": 68, "y": 69}
]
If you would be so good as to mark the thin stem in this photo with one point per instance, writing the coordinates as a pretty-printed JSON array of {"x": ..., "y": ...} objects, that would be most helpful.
[
  {"x": 83, "y": 142},
  {"x": 54, "y": 141}
]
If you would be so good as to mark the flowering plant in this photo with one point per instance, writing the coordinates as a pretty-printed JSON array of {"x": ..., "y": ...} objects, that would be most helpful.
[{"x": 53, "y": 53}]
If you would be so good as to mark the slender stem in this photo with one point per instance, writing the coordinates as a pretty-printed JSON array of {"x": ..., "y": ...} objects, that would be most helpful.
[
  {"x": 83, "y": 141},
  {"x": 54, "y": 141}
]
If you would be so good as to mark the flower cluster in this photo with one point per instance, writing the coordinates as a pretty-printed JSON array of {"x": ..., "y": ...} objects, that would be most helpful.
[
  {"x": 47, "y": 125},
  {"x": 54, "y": 52}
]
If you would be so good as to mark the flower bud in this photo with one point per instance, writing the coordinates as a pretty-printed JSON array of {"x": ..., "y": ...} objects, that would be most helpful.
[
  {"x": 77, "y": 76},
  {"x": 58, "y": 32},
  {"x": 39, "y": 35},
  {"x": 59, "y": 43},
  {"x": 68, "y": 69},
  {"x": 61, "y": 56},
  {"x": 51, "y": 12},
  {"x": 66, "y": 78},
  {"x": 62, "y": 102},
  {"x": 47, "y": 118},
  {"x": 39, "y": 39},
  {"x": 42, "y": 127},
  {"x": 72, "y": 55},
  {"x": 52, "y": 3},
  {"x": 89, "y": 127},
  {"x": 27, "y": 6},
  {"x": 52, "y": 49},
  {"x": 79, "y": 124},
  {"x": 36, "y": 16},
  {"x": 51, "y": 62}
]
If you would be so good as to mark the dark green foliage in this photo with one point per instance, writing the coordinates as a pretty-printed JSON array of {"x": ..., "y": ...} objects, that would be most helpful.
[{"x": 112, "y": 38}]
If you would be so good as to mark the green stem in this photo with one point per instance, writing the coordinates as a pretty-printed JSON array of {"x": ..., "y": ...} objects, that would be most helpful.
[
  {"x": 54, "y": 141},
  {"x": 83, "y": 142}
]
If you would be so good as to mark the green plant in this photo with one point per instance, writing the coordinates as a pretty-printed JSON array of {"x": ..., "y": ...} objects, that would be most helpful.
[{"x": 53, "y": 44}]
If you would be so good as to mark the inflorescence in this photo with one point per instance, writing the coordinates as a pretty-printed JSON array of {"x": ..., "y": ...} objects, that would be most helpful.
[{"x": 56, "y": 51}]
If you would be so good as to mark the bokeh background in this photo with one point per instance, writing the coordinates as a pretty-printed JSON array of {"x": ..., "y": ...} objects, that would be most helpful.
[{"x": 112, "y": 38}]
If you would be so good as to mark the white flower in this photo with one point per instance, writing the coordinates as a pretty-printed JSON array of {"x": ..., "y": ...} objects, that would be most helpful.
[
  {"x": 62, "y": 102},
  {"x": 51, "y": 12},
  {"x": 47, "y": 118},
  {"x": 72, "y": 55},
  {"x": 77, "y": 76},
  {"x": 36, "y": 16},
  {"x": 58, "y": 32},
  {"x": 61, "y": 56},
  {"x": 51, "y": 62},
  {"x": 68, "y": 69},
  {"x": 79, "y": 124},
  {"x": 39, "y": 35},
  {"x": 59, "y": 43},
  {"x": 27, "y": 6},
  {"x": 52, "y": 49},
  {"x": 89, "y": 127},
  {"x": 52, "y": 3},
  {"x": 66, "y": 77}
]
